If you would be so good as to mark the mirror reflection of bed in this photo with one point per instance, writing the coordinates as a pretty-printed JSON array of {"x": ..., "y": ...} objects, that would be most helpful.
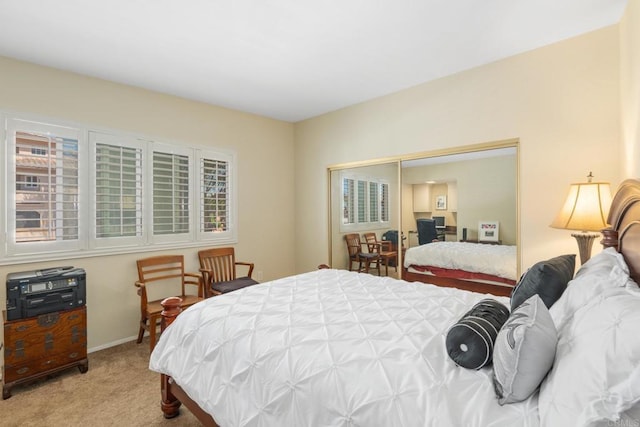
[
  {"x": 458, "y": 190},
  {"x": 473, "y": 198}
]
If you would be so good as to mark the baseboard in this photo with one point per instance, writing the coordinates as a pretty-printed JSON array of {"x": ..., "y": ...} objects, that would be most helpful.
[{"x": 112, "y": 344}]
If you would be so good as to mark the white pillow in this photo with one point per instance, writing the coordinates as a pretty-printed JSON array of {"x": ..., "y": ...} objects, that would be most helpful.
[
  {"x": 607, "y": 270},
  {"x": 596, "y": 374},
  {"x": 524, "y": 351}
]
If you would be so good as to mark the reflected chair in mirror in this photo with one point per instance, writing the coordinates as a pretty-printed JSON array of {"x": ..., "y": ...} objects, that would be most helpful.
[
  {"x": 356, "y": 253},
  {"x": 160, "y": 277},
  {"x": 219, "y": 271},
  {"x": 384, "y": 248},
  {"x": 427, "y": 231}
]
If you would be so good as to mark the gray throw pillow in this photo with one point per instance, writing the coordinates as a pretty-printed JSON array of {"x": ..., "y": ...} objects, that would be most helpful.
[
  {"x": 546, "y": 278},
  {"x": 524, "y": 351}
]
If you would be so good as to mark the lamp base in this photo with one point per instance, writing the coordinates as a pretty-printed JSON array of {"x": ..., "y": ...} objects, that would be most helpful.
[{"x": 585, "y": 243}]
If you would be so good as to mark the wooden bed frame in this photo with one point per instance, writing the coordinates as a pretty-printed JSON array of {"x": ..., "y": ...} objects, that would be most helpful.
[
  {"x": 449, "y": 282},
  {"x": 623, "y": 234}
]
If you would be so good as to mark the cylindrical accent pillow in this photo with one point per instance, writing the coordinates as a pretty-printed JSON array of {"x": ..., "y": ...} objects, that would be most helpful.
[{"x": 470, "y": 340}]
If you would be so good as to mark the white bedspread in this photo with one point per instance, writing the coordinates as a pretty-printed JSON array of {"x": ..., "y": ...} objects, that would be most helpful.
[
  {"x": 332, "y": 348},
  {"x": 498, "y": 260}
]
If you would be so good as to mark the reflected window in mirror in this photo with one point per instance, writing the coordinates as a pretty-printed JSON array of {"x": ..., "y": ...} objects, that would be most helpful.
[{"x": 365, "y": 202}]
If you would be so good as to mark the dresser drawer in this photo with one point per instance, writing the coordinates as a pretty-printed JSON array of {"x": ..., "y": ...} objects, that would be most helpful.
[
  {"x": 45, "y": 336},
  {"x": 14, "y": 372}
]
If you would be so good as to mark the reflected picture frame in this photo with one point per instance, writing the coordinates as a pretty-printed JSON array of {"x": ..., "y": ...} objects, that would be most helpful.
[
  {"x": 441, "y": 203},
  {"x": 488, "y": 231}
]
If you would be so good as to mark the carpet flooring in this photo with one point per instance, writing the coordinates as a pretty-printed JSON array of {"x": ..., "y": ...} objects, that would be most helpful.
[{"x": 117, "y": 390}]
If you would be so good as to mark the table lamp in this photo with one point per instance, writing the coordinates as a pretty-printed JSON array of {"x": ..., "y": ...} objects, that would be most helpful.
[{"x": 586, "y": 209}]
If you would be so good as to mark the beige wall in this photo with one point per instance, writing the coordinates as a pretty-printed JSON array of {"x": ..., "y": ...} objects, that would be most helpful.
[
  {"x": 561, "y": 101},
  {"x": 630, "y": 88},
  {"x": 265, "y": 173},
  {"x": 486, "y": 191}
]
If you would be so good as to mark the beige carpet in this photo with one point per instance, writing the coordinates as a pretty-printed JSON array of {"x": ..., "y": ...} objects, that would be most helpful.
[{"x": 118, "y": 390}]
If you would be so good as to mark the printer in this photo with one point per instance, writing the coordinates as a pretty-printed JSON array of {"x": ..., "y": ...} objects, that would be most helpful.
[{"x": 32, "y": 293}]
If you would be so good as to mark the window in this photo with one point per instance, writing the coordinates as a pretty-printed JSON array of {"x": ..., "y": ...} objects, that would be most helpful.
[
  {"x": 80, "y": 191},
  {"x": 117, "y": 182},
  {"x": 348, "y": 201},
  {"x": 30, "y": 182},
  {"x": 27, "y": 219},
  {"x": 46, "y": 187},
  {"x": 214, "y": 179},
  {"x": 365, "y": 203},
  {"x": 171, "y": 198}
]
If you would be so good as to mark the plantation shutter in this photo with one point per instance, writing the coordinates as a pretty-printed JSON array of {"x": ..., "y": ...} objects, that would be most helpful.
[
  {"x": 214, "y": 195},
  {"x": 171, "y": 208},
  {"x": 46, "y": 187},
  {"x": 118, "y": 187}
]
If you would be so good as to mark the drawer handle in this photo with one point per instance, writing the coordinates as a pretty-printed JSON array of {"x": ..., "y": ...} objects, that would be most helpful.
[
  {"x": 73, "y": 355},
  {"x": 48, "y": 319},
  {"x": 22, "y": 371},
  {"x": 22, "y": 328}
]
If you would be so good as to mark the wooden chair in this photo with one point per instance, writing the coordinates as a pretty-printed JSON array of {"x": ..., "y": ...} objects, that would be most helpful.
[
  {"x": 384, "y": 248},
  {"x": 218, "y": 267},
  {"x": 161, "y": 272},
  {"x": 356, "y": 254}
]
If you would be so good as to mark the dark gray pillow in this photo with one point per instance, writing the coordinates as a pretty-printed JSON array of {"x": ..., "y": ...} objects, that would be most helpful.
[
  {"x": 470, "y": 340},
  {"x": 548, "y": 279}
]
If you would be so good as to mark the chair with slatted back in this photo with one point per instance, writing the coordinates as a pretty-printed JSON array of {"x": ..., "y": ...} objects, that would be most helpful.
[
  {"x": 160, "y": 277},
  {"x": 357, "y": 254},
  {"x": 219, "y": 271},
  {"x": 384, "y": 248}
]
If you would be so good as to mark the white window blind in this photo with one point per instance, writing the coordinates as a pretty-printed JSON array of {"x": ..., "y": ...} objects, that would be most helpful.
[
  {"x": 117, "y": 183},
  {"x": 373, "y": 202},
  {"x": 171, "y": 201},
  {"x": 365, "y": 203},
  {"x": 76, "y": 191},
  {"x": 44, "y": 192},
  {"x": 348, "y": 201},
  {"x": 384, "y": 202},
  {"x": 214, "y": 197},
  {"x": 361, "y": 201}
]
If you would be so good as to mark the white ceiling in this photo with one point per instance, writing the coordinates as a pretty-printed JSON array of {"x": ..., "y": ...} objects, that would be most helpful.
[{"x": 286, "y": 59}]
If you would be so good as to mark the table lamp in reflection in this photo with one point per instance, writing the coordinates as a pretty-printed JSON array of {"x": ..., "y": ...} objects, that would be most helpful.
[{"x": 585, "y": 210}]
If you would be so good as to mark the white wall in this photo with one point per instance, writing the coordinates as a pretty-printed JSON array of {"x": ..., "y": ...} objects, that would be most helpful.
[
  {"x": 561, "y": 101},
  {"x": 265, "y": 173}
]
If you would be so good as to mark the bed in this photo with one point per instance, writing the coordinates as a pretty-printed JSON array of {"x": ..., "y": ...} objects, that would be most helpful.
[
  {"x": 334, "y": 347},
  {"x": 476, "y": 267}
]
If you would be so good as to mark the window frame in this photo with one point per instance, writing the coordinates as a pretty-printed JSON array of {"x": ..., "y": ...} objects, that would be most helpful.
[
  {"x": 231, "y": 234},
  {"x": 11, "y": 248},
  {"x": 96, "y": 242},
  {"x": 362, "y": 203},
  {"x": 88, "y": 244}
]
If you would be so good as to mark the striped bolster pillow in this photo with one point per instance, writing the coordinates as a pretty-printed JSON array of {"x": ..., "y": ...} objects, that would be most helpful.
[{"x": 470, "y": 340}]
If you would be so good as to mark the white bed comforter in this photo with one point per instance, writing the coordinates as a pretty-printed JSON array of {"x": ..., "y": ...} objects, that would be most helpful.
[
  {"x": 498, "y": 260},
  {"x": 332, "y": 348}
]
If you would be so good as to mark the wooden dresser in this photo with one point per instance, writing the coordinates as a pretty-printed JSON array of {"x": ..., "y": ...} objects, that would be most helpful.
[{"x": 39, "y": 346}]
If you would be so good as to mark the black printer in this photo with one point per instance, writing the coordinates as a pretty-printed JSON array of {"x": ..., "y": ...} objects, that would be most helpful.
[{"x": 32, "y": 293}]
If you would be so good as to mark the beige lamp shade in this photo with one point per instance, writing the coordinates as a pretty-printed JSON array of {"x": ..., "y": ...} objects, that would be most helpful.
[{"x": 586, "y": 207}]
